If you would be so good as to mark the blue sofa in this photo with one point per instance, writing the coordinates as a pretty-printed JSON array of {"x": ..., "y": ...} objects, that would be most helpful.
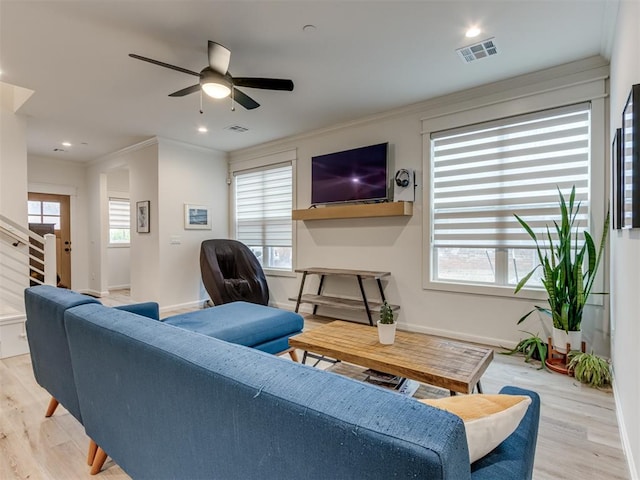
[
  {"x": 45, "y": 306},
  {"x": 256, "y": 326},
  {"x": 168, "y": 403}
]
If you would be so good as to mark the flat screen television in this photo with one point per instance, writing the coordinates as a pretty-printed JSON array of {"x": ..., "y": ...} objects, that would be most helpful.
[{"x": 355, "y": 175}]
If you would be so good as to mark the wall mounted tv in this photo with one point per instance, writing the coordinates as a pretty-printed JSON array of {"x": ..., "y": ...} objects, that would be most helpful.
[{"x": 356, "y": 175}]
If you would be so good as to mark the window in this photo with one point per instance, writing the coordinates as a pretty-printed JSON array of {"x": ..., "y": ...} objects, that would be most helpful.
[
  {"x": 44, "y": 212},
  {"x": 484, "y": 173},
  {"x": 119, "y": 221},
  {"x": 263, "y": 203}
]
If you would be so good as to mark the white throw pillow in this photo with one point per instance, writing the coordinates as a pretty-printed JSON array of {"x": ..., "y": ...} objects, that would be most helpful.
[{"x": 488, "y": 419}]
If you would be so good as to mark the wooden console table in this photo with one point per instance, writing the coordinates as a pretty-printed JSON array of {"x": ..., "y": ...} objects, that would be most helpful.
[{"x": 339, "y": 302}]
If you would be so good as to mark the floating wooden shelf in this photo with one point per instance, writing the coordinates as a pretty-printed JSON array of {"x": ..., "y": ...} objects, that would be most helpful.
[
  {"x": 364, "y": 210},
  {"x": 341, "y": 302}
]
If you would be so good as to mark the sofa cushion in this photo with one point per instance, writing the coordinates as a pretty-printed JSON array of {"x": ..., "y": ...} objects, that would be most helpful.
[
  {"x": 244, "y": 323},
  {"x": 488, "y": 419}
]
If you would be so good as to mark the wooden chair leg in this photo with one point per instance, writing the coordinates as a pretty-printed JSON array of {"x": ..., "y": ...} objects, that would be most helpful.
[
  {"x": 93, "y": 448},
  {"x": 53, "y": 404},
  {"x": 98, "y": 461},
  {"x": 294, "y": 355}
]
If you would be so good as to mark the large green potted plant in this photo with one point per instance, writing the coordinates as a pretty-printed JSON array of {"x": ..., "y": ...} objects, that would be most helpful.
[{"x": 569, "y": 268}]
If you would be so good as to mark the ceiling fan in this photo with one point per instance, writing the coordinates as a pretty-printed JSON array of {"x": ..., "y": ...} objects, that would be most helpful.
[{"x": 217, "y": 82}]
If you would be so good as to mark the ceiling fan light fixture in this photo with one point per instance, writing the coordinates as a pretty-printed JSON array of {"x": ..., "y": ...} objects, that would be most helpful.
[
  {"x": 214, "y": 84},
  {"x": 216, "y": 90}
]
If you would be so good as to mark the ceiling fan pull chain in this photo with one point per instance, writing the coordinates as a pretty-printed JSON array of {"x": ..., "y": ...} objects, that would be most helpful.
[
  {"x": 201, "y": 112},
  {"x": 233, "y": 99}
]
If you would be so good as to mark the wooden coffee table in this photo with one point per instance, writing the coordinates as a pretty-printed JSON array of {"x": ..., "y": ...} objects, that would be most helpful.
[{"x": 452, "y": 365}]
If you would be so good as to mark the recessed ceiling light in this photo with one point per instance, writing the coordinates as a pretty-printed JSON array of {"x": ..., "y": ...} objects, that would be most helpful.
[
  {"x": 473, "y": 32},
  {"x": 203, "y": 129},
  {"x": 66, "y": 144}
]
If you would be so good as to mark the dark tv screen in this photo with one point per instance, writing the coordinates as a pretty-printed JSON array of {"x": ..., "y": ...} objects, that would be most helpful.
[{"x": 350, "y": 176}]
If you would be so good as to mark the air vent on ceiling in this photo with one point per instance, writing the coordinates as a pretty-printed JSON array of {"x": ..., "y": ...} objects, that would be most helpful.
[
  {"x": 237, "y": 128},
  {"x": 483, "y": 49}
]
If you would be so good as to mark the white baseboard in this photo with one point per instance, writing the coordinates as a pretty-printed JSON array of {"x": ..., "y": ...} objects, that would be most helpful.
[
  {"x": 624, "y": 435},
  {"x": 193, "y": 304},
  {"x": 94, "y": 293},
  {"x": 119, "y": 287},
  {"x": 456, "y": 335}
]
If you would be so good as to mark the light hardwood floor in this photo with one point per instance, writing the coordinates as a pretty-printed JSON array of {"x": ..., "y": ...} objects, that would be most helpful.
[{"x": 578, "y": 435}]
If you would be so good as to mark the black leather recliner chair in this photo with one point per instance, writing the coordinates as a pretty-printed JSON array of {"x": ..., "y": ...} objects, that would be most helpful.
[{"x": 231, "y": 272}]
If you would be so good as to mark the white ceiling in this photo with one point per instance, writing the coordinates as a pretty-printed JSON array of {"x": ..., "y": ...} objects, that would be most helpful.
[{"x": 364, "y": 57}]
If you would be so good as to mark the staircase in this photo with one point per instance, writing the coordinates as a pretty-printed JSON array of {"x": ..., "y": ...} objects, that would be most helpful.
[{"x": 26, "y": 258}]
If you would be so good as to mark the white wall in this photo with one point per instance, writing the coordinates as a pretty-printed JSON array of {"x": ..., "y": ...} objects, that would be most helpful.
[
  {"x": 13, "y": 204},
  {"x": 118, "y": 256},
  {"x": 142, "y": 163},
  {"x": 164, "y": 263},
  {"x": 192, "y": 175},
  {"x": 395, "y": 244},
  {"x": 625, "y": 250},
  {"x": 13, "y": 159},
  {"x": 52, "y": 175}
]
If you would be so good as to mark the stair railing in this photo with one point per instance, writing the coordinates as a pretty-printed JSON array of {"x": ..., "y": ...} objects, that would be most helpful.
[{"x": 26, "y": 258}]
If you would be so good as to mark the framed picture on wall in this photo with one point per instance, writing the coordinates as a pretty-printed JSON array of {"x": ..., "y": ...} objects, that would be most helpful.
[
  {"x": 630, "y": 148},
  {"x": 197, "y": 217},
  {"x": 617, "y": 180},
  {"x": 142, "y": 216}
]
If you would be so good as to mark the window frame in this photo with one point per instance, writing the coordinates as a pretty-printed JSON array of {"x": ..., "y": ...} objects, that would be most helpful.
[
  {"x": 492, "y": 111},
  {"x": 286, "y": 157},
  {"x": 111, "y": 244}
]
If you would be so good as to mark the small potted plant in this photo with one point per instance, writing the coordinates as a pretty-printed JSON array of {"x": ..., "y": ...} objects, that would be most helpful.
[
  {"x": 386, "y": 325},
  {"x": 590, "y": 369},
  {"x": 532, "y": 347}
]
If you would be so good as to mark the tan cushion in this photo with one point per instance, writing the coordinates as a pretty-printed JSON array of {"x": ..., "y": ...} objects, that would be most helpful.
[{"x": 488, "y": 419}]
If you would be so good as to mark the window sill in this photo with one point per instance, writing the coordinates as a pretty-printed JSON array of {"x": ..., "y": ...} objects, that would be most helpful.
[
  {"x": 272, "y": 272},
  {"x": 535, "y": 295},
  {"x": 487, "y": 290},
  {"x": 119, "y": 245}
]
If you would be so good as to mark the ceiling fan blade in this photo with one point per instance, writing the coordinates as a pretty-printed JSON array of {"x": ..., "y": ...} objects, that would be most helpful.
[
  {"x": 265, "y": 83},
  {"x": 162, "y": 64},
  {"x": 219, "y": 57},
  {"x": 245, "y": 100},
  {"x": 186, "y": 91}
]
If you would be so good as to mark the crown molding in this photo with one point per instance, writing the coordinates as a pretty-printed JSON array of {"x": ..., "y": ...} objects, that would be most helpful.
[
  {"x": 126, "y": 150},
  {"x": 590, "y": 67}
]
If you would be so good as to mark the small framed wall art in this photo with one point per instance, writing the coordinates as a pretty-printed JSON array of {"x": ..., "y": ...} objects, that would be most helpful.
[
  {"x": 142, "y": 216},
  {"x": 196, "y": 217},
  {"x": 630, "y": 140},
  {"x": 617, "y": 181}
]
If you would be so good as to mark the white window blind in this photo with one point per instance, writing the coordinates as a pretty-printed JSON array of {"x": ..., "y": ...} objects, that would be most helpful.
[
  {"x": 119, "y": 220},
  {"x": 483, "y": 174},
  {"x": 263, "y": 206}
]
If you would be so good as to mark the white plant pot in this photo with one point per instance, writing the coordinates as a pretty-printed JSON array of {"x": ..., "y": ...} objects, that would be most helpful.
[
  {"x": 561, "y": 338},
  {"x": 386, "y": 333}
]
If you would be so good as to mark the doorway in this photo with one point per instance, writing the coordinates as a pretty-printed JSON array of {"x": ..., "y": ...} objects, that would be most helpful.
[{"x": 45, "y": 208}]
